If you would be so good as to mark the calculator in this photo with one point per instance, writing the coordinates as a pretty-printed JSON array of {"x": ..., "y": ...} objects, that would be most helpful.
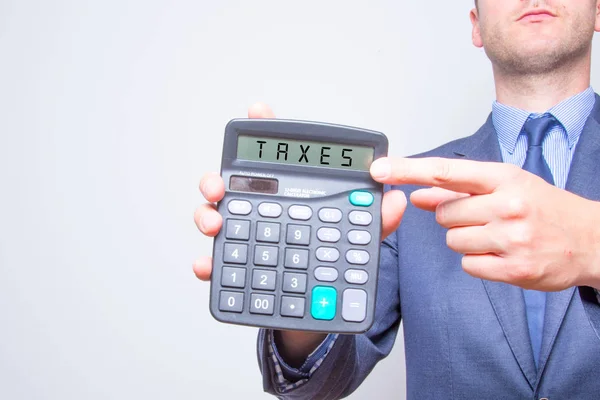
[{"x": 299, "y": 246}]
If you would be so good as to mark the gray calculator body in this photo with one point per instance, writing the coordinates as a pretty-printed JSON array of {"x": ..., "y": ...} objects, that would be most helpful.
[{"x": 299, "y": 247}]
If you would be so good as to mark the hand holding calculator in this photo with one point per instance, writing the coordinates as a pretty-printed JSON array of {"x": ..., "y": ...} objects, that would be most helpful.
[{"x": 299, "y": 246}]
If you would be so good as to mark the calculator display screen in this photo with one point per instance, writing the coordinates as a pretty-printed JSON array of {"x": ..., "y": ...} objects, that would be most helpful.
[{"x": 302, "y": 152}]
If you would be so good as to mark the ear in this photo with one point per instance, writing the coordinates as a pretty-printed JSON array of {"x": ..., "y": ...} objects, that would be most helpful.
[
  {"x": 476, "y": 35},
  {"x": 598, "y": 16}
]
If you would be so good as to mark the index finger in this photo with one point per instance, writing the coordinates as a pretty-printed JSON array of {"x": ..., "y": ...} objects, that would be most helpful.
[{"x": 465, "y": 176}]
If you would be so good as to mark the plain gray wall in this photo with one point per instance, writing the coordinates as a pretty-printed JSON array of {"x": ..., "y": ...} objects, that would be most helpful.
[{"x": 111, "y": 111}]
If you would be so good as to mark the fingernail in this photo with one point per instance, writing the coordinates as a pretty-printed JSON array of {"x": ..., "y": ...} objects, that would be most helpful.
[{"x": 381, "y": 168}]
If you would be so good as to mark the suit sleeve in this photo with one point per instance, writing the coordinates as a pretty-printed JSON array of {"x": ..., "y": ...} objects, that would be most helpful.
[
  {"x": 591, "y": 303},
  {"x": 352, "y": 357}
]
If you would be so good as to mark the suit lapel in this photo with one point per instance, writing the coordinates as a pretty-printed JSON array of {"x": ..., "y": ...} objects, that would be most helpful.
[
  {"x": 584, "y": 180},
  {"x": 507, "y": 300}
]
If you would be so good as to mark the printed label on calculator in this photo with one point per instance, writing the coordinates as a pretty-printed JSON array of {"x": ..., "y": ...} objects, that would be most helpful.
[{"x": 299, "y": 247}]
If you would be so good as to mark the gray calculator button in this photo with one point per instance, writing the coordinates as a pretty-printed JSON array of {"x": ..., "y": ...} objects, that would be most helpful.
[
  {"x": 237, "y": 229},
  {"x": 234, "y": 253},
  {"x": 362, "y": 218},
  {"x": 267, "y": 232},
  {"x": 239, "y": 207},
  {"x": 325, "y": 274},
  {"x": 298, "y": 234},
  {"x": 356, "y": 276},
  {"x": 330, "y": 215},
  {"x": 262, "y": 304},
  {"x": 266, "y": 256},
  {"x": 231, "y": 302},
  {"x": 292, "y": 306},
  {"x": 330, "y": 235},
  {"x": 302, "y": 213},
  {"x": 270, "y": 210},
  {"x": 294, "y": 283},
  {"x": 359, "y": 237},
  {"x": 233, "y": 277},
  {"x": 263, "y": 280},
  {"x": 354, "y": 305},
  {"x": 358, "y": 257},
  {"x": 328, "y": 254},
  {"x": 296, "y": 258}
]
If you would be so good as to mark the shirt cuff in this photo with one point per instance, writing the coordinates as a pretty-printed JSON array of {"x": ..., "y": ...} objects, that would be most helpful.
[{"x": 288, "y": 378}]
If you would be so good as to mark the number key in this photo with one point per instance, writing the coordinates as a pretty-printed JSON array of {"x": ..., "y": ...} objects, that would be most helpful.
[
  {"x": 233, "y": 277},
  {"x": 296, "y": 258},
  {"x": 262, "y": 304},
  {"x": 237, "y": 229},
  {"x": 294, "y": 283},
  {"x": 266, "y": 256},
  {"x": 267, "y": 232},
  {"x": 234, "y": 253},
  {"x": 231, "y": 302},
  {"x": 263, "y": 280},
  {"x": 298, "y": 234}
]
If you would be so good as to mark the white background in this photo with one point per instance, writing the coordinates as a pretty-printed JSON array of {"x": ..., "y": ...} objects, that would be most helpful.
[{"x": 111, "y": 111}]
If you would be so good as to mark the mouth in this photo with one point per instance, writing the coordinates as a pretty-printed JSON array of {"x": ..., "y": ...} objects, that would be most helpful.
[{"x": 537, "y": 15}]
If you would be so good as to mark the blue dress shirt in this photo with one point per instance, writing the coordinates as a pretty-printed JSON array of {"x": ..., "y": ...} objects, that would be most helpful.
[{"x": 558, "y": 149}]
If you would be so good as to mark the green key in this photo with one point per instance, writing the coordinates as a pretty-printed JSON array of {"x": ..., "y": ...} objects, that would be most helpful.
[
  {"x": 324, "y": 300},
  {"x": 361, "y": 198}
]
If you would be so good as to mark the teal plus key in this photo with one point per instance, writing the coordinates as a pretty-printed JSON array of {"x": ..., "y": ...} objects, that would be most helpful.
[{"x": 324, "y": 300}]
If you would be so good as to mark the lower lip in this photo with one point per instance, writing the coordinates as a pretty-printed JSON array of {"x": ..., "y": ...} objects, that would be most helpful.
[{"x": 537, "y": 18}]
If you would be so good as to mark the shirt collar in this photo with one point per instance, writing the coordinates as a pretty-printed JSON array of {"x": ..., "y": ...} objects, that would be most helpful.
[{"x": 571, "y": 113}]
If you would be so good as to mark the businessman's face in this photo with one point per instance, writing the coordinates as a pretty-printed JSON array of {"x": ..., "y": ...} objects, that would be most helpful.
[{"x": 535, "y": 36}]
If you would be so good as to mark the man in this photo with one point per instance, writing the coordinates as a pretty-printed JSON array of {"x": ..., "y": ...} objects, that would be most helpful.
[{"x": 524, "y": 321}]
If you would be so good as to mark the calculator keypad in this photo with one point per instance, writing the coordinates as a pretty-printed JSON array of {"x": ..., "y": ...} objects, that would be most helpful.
[{"x": 295, "y": 261}]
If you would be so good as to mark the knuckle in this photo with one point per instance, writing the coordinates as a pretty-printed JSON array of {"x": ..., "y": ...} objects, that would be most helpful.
[
  {"x": 442, "y": 171},
  {"x": 516, "y": 207},
  {"x": 521, "y": 235},
  {"x": 523, "y": 272}
]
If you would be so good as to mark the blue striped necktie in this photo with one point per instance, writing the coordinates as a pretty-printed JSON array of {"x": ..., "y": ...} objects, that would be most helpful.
[{"x": 535, "y": 301}]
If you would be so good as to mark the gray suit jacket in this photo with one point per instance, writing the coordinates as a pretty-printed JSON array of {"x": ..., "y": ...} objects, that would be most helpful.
[{"x": 467, "y": 338}]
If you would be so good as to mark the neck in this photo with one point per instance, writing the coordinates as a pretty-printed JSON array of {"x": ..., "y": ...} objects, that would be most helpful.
[{"x": 540, "y": 92}]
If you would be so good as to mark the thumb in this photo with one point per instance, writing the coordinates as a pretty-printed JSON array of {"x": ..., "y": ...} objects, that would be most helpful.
[
  {"x": 429, "y": 199},
  {"x": 260, "y": 110}
]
